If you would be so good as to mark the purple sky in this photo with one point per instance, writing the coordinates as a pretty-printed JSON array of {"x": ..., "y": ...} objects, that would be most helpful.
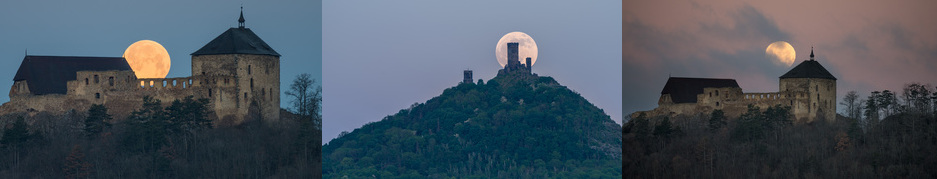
[
  {"x": 868, "y": 45},
  {"x": 382, "y": 56}
]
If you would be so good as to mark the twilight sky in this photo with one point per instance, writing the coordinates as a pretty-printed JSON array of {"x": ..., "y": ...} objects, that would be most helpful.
[
  {"x": 869, "y": 45},
  {"x": 106, "y": 28},
  {"x": 383, "y": 56}
]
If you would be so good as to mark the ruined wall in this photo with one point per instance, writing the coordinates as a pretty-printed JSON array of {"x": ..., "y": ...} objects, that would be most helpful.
[
  {"x": 809, "y": 99},
  {"x": 241, "y": 81},
  {"x": 814, "y": 98},
  {"x": 717, "y": 98}
]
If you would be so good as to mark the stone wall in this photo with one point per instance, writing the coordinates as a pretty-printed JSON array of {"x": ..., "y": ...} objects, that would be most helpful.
[
  {"x": 235, "y": 84},
  {"x": 809, "y": 99}
]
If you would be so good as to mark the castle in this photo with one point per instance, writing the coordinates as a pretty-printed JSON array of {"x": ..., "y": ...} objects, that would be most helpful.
[
  {"x": 237, "y": 71},
  {"x": 514, "y": 64},
  {"x": 809, "y": 89}
]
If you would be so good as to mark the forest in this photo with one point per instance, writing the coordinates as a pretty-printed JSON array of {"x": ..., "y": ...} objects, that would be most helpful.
[
  {"x": 519, "y": 126},
  {"x": 178, "y": 140},
  {"x": 883, "y": 135}
]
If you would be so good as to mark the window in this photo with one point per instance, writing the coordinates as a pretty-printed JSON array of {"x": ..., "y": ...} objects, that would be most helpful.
[
  {"x": 710, "y": 94},
  {"x": 209, "y": 92},
  {"x": 86, "y": 81},
  {"x": 792, "y": 102},
  {"x": 97, "y": 95},
  {"x": 717, "y": 103},
  {"x": 816, "y": 87},
  {"x": 95, "y": 79},
  {"x": 245, "y": 96},
  {"x": 252, "y": 83},
  {"x": 717, "y": 93},
  {"x": 248, "y": 69},
  {"x": 110, "y": 80}
]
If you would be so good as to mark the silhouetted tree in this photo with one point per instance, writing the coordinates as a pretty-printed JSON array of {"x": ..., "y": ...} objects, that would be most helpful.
[
  {"x": 75, "y": 164},
  {"x": 917, "y": 98},
  {"x": 148, "y": 126},
  {"x": 97, "y": 120},
  {"x": 188, "y": 115},
  {"x": 663, "y": 129},
  {"x": 305, "y": 97},
  {"x": 851, "y": 102},
  {"x": 17, "y": 134},
  {"x": 751, "y": 125},
  {"x": 717, "y": 119}
]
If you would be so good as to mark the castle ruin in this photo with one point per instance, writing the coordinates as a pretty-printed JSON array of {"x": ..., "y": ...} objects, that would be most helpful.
[
  {"x": 809, "y": 89},
  {"x": 237, "y": 71}
]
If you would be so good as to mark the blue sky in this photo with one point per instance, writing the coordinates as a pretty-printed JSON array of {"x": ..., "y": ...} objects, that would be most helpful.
[
  {"x": 383, "y": 56},
  {"x": 107, "y": 28}
]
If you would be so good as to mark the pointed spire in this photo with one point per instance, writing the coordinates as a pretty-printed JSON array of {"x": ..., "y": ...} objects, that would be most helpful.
[
  {"x": 811, "y": 53},
  {"x": 241, "y": 20}
]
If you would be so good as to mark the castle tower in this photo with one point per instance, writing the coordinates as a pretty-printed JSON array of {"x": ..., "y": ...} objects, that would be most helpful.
[
  {"x": 513, "y": 62},
  {"x": 467, "y": 76},
  {"x": 810, "y": 90},
  {"x": 240, "y": 74},
  {"x": 528, "y": 64}
]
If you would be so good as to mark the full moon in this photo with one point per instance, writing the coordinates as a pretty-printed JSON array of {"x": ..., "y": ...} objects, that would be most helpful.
[
  {"x": 148, "y": 59},
  {"x": 781, "y": 53},
  {"x": 526, "y": 47}
]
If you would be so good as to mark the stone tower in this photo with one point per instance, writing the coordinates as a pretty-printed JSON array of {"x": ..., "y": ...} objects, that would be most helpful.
[
  {"x": 810, "y": 90},
  {"x": 513, "y": 62},
  {"x": 528, "y": 64},
  {"x": 240, "y": 74},
  {"x": 467, "y": 76}
]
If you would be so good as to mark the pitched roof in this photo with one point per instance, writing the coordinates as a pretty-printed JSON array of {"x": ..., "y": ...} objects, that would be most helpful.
[
  {"x": 808, "y": 69},
  {"x": 49, "y": 74},
  {"x": 237, "y": 41},
  {"x": 684, "y": 90}
]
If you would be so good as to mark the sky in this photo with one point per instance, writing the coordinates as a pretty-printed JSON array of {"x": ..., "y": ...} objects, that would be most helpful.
[
  {"x": 383, "y": 56},
  {"x": 868, "y": 45},
  {"x": 105, "y": 28}
]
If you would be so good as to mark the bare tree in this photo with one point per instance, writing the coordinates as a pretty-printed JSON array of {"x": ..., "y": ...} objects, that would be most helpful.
[
  {"x": 306, "y": 98},
  {"x": 851, "y": 101}
]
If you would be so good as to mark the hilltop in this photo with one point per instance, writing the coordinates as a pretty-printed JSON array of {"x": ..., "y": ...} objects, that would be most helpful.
[{"x": 517, "y": 125}]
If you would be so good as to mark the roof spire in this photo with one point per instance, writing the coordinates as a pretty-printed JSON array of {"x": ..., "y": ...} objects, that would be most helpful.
[
  {"x": 811, "y": 53},
  {"x": 241, "y": 20}
]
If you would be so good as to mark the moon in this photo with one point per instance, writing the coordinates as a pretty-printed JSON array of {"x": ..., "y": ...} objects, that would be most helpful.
[
  {"x": 148, "y": 59},
  {"x": 781, "y": 53},
  {"x": 526, "y": 47}
]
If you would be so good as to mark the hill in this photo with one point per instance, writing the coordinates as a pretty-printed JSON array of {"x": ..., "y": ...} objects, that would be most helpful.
[{"x": 518, "y": 125}]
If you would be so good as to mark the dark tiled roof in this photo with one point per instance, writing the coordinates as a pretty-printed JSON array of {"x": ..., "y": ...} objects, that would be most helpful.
[
  {"x": 49, "y": 74},
  {"x": 809, "y": 69},
  {"x": 684, "y": 90},
  {"x": 237, "y": 41}
]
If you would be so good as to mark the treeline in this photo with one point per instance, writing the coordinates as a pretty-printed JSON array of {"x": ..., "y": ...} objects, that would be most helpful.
[
  {"x": 503, "y": 129},
  {"x": 893, "y": 137},
  {"x": 174, "y": 141}
]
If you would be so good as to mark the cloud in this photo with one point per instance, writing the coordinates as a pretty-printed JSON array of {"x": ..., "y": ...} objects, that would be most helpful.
[{"x": 730, "y": 47}]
